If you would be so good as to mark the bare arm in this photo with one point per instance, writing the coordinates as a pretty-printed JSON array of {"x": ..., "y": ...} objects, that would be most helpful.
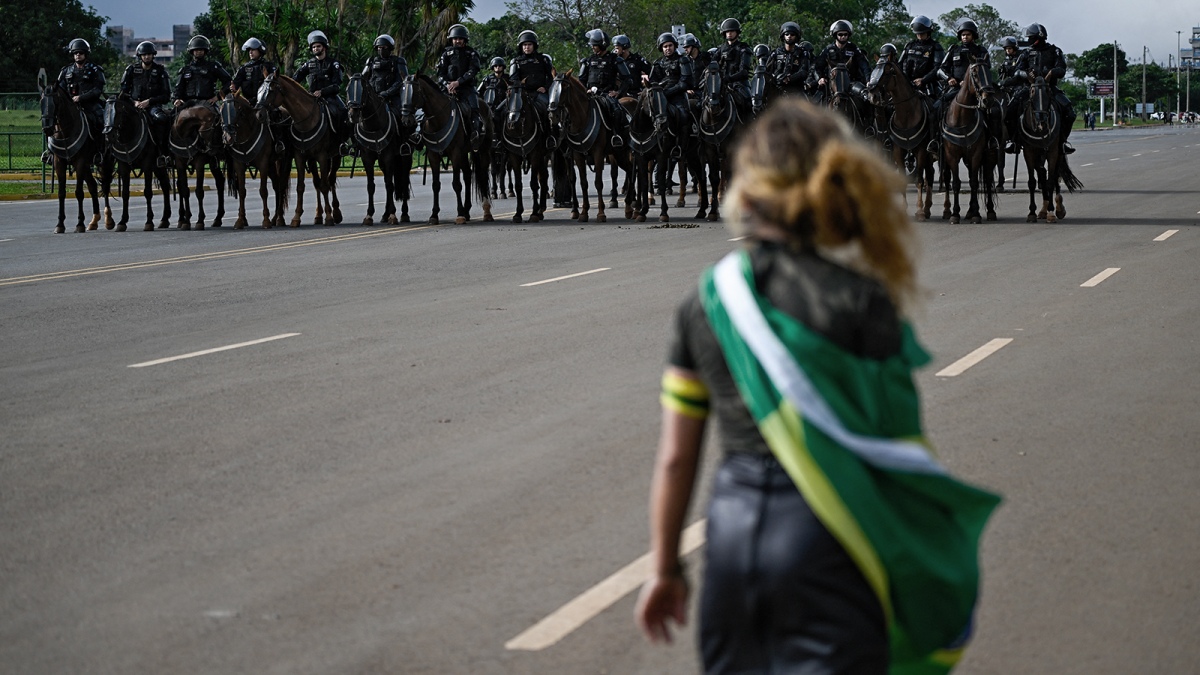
[{"x": 664, "y": 595}]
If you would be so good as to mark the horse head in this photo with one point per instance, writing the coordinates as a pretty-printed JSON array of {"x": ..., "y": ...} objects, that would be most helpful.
[
  {"x": 979, "y": 81},
  {"x": 49, "y": 109},
  {"x": 228, "y": 112},
  {"x": 355, "y": 97},
  {"x": 408, "y": 108},
  {"x": 714, "y": 87},
  {"x": 515, "y": 105},
  {"x": 556, "y": 89},
  {"x": 1040, "y": 107}
]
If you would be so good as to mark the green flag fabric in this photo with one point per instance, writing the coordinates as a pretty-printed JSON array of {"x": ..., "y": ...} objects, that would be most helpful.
[{"x": 848, "y": 432}]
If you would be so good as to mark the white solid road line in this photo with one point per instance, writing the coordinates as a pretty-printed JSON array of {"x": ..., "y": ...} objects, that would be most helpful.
[
  {"x": 598, "y": 598},
  {"x": 213, "y": 350},
  {"x": 4, "y": 240},
  {"x": 1095, "y": 281},
  {"x": 1165, "y": 235},
  {"x": 960, "y": 366},
  {"x": 569, "y": 276}
]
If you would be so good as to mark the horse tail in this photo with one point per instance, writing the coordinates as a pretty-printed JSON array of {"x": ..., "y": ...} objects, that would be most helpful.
[
  {"x": 562, "y": 171},
  {"x": 107, "y": 171},
  {"x": 282, "y": 170},
  {"x": 1065, "y": 174},
  {"x": 481, "y": 165}
]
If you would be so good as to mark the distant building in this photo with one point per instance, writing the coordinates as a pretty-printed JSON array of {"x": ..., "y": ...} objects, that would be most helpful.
[
  {"x": 182, "y": 32},
  {"x": 121, "y": 38},
  {"x": 124, "y": 41}
]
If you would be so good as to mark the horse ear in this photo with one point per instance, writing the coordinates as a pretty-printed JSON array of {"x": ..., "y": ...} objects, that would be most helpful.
[{"x": 568, "y": 73}]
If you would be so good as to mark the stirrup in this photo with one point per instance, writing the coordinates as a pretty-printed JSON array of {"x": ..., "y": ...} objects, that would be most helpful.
[
  {"x": 676, "y": 152},
  {"x": 47, "y": 158},
  {"x": 1067, "y": 148},
  {"x": 616, "y": 141},
  {"x": 933, "y": 147},
  {"x": 1010, "y": 148},
  {"x": 163, "y": 162}
]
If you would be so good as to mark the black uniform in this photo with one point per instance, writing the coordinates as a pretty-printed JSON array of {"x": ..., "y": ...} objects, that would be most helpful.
[
  {"x": 607, "y": 72},
  {"x": 674, "y": 74},
  {"x": 1046, "y": 61},
  {"x": 250, "y": 77},
  {"x": 532, "y": 72},
  {"x": 151, "y": 84},
  {"x": 850, "y": 56},
  {"x": 198, "y": 81},
  {"x": 86, "y": 82},
  {"x": 325, "y": 75},
  {"x": 386, "y": 76},
  {"x": 791, "y": 69},
  {"x": 921, "y": 59},
  {"x": 498, "y": 84},
  {"x": 735, "y": 62},
  {"x": 461, "y": 65},
  {"x": 638, "y": 66}
]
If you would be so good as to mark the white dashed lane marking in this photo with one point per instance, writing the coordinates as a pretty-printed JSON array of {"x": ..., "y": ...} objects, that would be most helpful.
[
  {"x": 1165, "y": 235},
  {"x": 1095, "y": 281},
  {"x": 212, "y": 351},
  {"x": 568, "y": 276},
  {"x": 960, "y": 366}
]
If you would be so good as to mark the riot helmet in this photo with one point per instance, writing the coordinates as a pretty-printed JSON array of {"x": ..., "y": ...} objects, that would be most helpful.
[
  {"x": 622, "y": 41},
  {"x": 254, "y": 43},
  {"x": 665, "y": 38},
  {"x": 146, "y": 47},
  {"x": 597, "y": 38},
  {"x": 966, "y": 26},
  {"x": 790, "y": 27},
  {"x": 527, "y": 36},
  {"x": 199, "y": 42},
  {"x": 840, "y": 26},
  {"x": 458, "y": 31},
  {"x": 79, "y": 45},
  {"x": 317, "y": 38},
  {"x": 730, "y": 24},
  {"x": 921, "y": 24}
]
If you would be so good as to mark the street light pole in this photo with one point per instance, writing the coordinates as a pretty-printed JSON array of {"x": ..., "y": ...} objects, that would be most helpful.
[
  {"x": 1177, "y": 61},
  {"x": 1116, "y": 85}
]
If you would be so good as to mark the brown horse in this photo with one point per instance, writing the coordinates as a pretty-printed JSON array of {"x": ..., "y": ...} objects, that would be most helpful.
[
  {"x": 380, "y": 138},
  {"x": 248, "y": 143},
  {"x": 525, "y": 139},
  {"x": 578, "y": 120},
  {"x": 70, "y": 145},
  {"x": 314, "y": 142},
  {"x": 1040, "y": 129},
  {"x": 127, "y": 130},
  {"x": 910, "y": 127},
  {"x": 966, "y": 139},
  {"x": 445, "y": 134},
  {"x": 195, "y": 141}
]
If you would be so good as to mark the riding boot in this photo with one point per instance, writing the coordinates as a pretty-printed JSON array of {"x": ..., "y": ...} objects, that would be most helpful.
[{"x": 1067, "y": 148}]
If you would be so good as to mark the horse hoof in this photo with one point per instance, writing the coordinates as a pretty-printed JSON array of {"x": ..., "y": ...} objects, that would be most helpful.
[
  {"x": 640, "y": 218},
  {"x": 404, "y": 219},
  {"x": 164, "y": 224},
  {"x": 200, "y": 225},
  {"x": 109, "y": 223},
  {"x": 574, "y": 215},
  {"x": 266, "y": 224},
  {"x": 59, "y": 229},
  {"x": 601, "y": 218},
  {"x": 435, "y": 221},
  {"x": 713, "y": 216},
  {"x": 583, "y": 217},
  {"x": 975, "y": 220},
  {"x": 664, "y": 218},
  {"x": 1061, "y": 213},
  {"x": 955, "y": 220},
  {"x": 1000, "y": 187},
  {"x": 368, "y": 221},
  {"x": 920, "y": 216},
  {"x": 1031, "y": 218},
  {"x": 185, "y": 226},
  {"x": 392, "y": 220},
  {"x": 337, "y": 216},
  {"x": 1050, "y": 218},
  {"x": 460, "y": 220},
  {"x": 119, "y": 228},
  {"x": 991, "y": 216},
  {"x": 517, "y": 219},
  {"x": 535, "y": 218},
  {"x": 612, "y": 204},
  {"x": 216, "y": 223},
  {"x": 294, "y": 223},
  {"x": 80, "y": 229},
  {"x": 148, "y": 227}
]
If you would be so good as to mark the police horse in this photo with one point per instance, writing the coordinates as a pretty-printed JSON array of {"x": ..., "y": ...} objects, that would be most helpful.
[
  {"x": 314, "y": 142},
  {"x": 718, "y": 122},
  {"x": 842, "y": 96},
  {"x": 585, "y": 134},
  {"x": 131, "y": 144},
  {"x": 445, "y": 135},
  {"x": 965, "y": 139},
  {"x": 527, "y": 142},
  {"x": 249, "y": 143},
  {"x": 910, "y": 127},
  {"x": 1040, "y": 131},
  {"x": 380, "y": 138},
  {"x": 491, "y": 106},
  {"x": 195, "y": 141},
  {"x": 655, "y": 135},
  {"x": 70, "y": 145}
]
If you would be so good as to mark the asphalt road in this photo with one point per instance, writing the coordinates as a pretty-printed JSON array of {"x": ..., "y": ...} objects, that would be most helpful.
[{"x": 432, "y": 456}]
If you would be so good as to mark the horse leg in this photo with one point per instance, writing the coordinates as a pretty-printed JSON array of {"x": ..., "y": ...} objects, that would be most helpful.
[
  {"x": 79, "y": 199},
  {"x": 184, "y": 190},
  {"x": 60, "y": 173},
  {"x": 369, "y": 168},
  {"x": 612, "y": 175},
  {"x": 581, "y": 165},
  {"x": 714, "y": 189},
  {"x": 164, "y": 181},
  {"x": 598, "y": 183},
  {"x": 262, "y": 194},
  {"x": 93, "y": 190},
  {"x": 201, "y": 168},
  {"x": 299, "y": 193},
  {"x": 974, "y": 179},
  {"x": 331, "y": 190},
  {"x": 1032, "y": 217},
  {"x": 539, "y": 188},
  {"x": 683, "y": 175},
  {"x": 955, "y": 188},
  {"x": 125, "y": 185},
  {"x": 519, "y": 191}
]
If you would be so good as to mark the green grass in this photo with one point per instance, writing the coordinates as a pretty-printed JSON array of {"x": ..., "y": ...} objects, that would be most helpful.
[
  {"x": 20, "y": 121},
  {"x": 22, "y": 188}
]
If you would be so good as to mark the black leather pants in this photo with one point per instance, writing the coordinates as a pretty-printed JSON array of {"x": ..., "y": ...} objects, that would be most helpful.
[{"x": 780, "y": 595}]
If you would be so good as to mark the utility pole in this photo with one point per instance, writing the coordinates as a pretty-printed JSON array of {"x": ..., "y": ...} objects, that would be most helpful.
[
  {"x": 1145, "y": 113},
  {"x": 1116, "y": 85},
  {"x": 1177, "y": 61}
]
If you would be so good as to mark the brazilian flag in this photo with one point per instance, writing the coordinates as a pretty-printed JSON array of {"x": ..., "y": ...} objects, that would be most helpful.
[{"x": 848, "y": 432}]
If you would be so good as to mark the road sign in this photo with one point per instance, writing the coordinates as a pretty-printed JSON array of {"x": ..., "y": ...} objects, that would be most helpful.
[{"x": 1100, "y": 88}]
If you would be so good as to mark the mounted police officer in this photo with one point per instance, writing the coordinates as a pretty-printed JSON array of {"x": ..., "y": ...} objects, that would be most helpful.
[
  {"x": 1013, "y": 88},
  {"x": 496, "y": 81},
  {"x": 673, "y": 72},
  {"x": 532, "y": 71},
  {"x": 607, "y": 79},
  {"x": 250, "y": 76},
  {"x": 147, "y": 84},
  {"x": 735, "y": 63},
  {"x": 635, "y": 63},
  {"x": 691, "y": 49},
  {"x": 198, "y": 79},
  {"x": 84, "y": 82},
  {"x": 385, "y": 71},
  {"x": 922, "y": 57},
  {"x": 324, "y": 75},
  {"x": 843, "y": 52},
  {"x": 1046, "y": 61},
  {"x": 791, "y": 65},
  {"x": 457, "y": 68},
  {"x": 955, "y": 68}
]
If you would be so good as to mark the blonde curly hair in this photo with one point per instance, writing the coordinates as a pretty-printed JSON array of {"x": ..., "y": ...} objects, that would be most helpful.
[{"x": 799, "y": 170}]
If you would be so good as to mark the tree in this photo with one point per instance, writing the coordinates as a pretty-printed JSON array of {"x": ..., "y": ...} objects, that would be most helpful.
[
  {"x": 35, "y": 38},
  {"x": 992, "y": 28},
  {"x": 1098, "y": 63}
]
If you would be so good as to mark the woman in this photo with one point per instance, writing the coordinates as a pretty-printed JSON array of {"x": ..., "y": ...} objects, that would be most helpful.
[{"x": 835, "y": 542}]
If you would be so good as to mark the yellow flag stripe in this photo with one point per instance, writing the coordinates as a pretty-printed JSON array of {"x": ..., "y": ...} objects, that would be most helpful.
[{"x": 784, "y": 433}]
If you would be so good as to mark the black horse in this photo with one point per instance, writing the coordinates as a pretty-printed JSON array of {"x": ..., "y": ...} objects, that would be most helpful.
[
  {"x": 127, "y": 131},
  {"x": 71, "y": 145},
  {"x": 381, "y": 138},
  {"x": 248, "y": 142},
  {"x": 1040, "y": 129},
  {"x": 526, "y": 140}
]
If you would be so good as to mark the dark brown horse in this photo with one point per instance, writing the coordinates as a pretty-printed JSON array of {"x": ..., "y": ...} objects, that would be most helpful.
[
  {"x": 195, "y": 142},
  {"x": 445, "y": 135},
  {"x": 1040, "y": 129},
  {"x": 526, "y": 140},
  {"x": 314, "y": 142},
  {"x": 910, "y": 127},
  {"x": 381, "y": 138},
  {"x": 840, "y": 95},
  {"x": 577, "y": 119},
  {"x": 127, "y": 130},
  {"x": 966, "y": 139},
  {"x": 71, "y": 145},
  {"x": 248, "y": 143}
]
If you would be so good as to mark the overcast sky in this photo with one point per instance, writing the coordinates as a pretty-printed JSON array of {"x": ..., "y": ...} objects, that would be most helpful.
[{"x": 1075, "y": 26}]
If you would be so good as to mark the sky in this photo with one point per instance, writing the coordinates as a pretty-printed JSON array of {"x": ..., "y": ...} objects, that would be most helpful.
[{"x": 1074, "y": 26}]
